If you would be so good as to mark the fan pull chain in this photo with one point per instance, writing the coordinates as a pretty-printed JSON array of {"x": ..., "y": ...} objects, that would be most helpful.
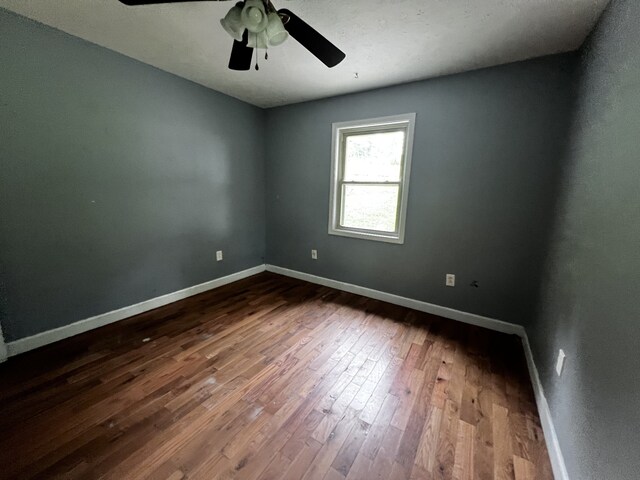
[
  {"x": 266, "y": 54},
  {"x": 257, "y": 53}
]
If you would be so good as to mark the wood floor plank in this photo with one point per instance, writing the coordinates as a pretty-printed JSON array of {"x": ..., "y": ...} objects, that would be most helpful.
[
  {"x": 447, "y": 441},
  {"x": 426, "y": 453},
  {"x": 333, "y": 444},
  {"x": 503, "y": 452},
  {"x": 463, "y": 462},
  {"x": 350, "y": 448},
  {"x": 523, "y": 469},
  {"x": 272, "y": 378}
]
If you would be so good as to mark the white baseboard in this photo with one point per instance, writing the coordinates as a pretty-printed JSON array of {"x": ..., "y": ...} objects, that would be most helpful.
[
  {"x": 50, "y": 336},
  {"x": 555, "y": 454},
  {"x": 3, "y": 347},
  {"x": 470, "y": 318},
  {"x": 553, "y": 446}
]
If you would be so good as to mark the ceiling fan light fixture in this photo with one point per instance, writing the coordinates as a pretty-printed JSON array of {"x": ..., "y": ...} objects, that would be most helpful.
[
  {"x": 232, "y": 22},
  {"x": 254, "y": 16},
  {"x": 275, "y": 30},
  {"x": 255, "y": 24}
]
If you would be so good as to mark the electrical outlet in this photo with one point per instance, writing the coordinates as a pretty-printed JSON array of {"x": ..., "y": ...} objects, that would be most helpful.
[
  {"x": 560, "y": 362},
  {"x": 450, "y": 280},
  {"x": 314, "y": 254},
  {"x": 219, "y": 256}
]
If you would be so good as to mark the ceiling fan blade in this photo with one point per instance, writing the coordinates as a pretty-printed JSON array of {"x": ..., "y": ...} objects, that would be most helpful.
[
  {"x": 313, "y": 41},
  {"x": 241, "y": 55},
  {"x": 134, "y": 3}
]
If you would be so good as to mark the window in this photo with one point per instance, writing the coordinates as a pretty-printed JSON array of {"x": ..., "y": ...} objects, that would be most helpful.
[{"x": 370, "y": 167}]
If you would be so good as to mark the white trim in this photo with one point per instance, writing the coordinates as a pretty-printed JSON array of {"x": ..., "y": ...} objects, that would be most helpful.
[
  {"x": 407, "y": 120},
  {"x": 551, "y": 438},
  {"x": 3, "y": 347},
  {"x": 470, "y": 318},
  {"x": 50, "y": 336}
]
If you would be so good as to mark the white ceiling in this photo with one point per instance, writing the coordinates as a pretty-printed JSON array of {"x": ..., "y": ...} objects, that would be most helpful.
[{"x": 386, "y": 41}]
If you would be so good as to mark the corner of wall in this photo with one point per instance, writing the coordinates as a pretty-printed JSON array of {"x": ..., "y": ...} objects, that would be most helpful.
[{"x": 265, "y": 190}]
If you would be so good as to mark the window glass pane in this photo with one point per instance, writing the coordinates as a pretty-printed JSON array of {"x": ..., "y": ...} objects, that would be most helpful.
[
  {"x": 370, "y": 207},
  {"x": 375, "y": 157}
]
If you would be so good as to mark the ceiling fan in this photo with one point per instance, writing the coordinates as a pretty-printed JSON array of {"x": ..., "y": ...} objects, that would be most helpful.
[{"x": 257, "y": 24}]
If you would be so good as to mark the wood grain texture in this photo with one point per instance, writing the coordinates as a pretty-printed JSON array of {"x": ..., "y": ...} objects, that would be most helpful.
[{"x": 272, "y": 378}]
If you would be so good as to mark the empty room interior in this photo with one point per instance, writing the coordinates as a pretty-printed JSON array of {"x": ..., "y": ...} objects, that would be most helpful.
[{"x": 320, "y": 240}]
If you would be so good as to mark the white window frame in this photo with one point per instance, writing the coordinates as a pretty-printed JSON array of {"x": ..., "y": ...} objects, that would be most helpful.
[{"x": 340, "y": 131}]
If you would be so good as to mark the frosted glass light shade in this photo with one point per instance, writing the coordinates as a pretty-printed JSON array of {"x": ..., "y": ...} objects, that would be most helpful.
[
  {"x": 275, "y": 30},
  {"x": 258, "y": 40},
  {"x": 232, "y": 22},
  {"x": 254, "y": 16}
]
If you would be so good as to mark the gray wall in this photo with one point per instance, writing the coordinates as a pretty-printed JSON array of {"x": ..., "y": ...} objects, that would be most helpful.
[
  {"x": 591, "y": 306},
  {"x": 487, "y": 150},
  {"x": 118, "y": 181}
]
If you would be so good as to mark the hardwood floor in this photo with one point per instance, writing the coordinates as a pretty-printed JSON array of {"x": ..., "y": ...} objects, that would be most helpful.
[{"x": 273, "y": 378}]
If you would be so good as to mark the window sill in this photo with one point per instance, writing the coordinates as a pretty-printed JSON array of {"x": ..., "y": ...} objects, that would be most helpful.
[{"x": 376, "y": 237}]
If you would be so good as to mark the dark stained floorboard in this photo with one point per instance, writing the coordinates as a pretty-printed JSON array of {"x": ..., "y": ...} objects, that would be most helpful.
[{"x": 272, "y": 377}]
